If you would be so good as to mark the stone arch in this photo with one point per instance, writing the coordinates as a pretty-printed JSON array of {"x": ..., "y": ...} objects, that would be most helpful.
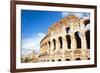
[
  {"x": 78, "y": 59},
  {"x": 45, "y": 44},
  {"x": 67, "y": 59},
  {"x": 88, "y": 59},
  {"x": 68, "y": 39},
  {"x": 86, "y": 22},
  {"x": 67, "y": 29},
  {"x": 60, "y": 41},
  {"x": 54, "y": 43},
  {"x": 78, "y": 39},
  {"x": 87, "y": 34},
  {"x": 47, "y": 60},
  {"x": 59, "y": 59},
  {"x": 53, "y": 60},
  {"x": 49, "y": 44}
]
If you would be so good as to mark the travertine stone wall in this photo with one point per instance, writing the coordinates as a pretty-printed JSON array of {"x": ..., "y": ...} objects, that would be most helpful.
[{"x": 54, "y": 46}]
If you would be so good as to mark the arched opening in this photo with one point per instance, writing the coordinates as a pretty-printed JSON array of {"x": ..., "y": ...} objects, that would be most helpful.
[
  {"x": 88, "y": 58},
  {"x": 86, "y": 22},
  {"x": 78, "y": 40},
  {"x": 47, "y": 60},
  {"x": 67, "y": 59},
  {"x": 78, "y": 59},
  {"x": 67, "y": 29},
  {"x": 68, "y": 41},
  {"x": 53, "y": 60},
  {"x": 49, "y": 44},
  {"x": 54, "y": 43},
  {"x": 87, "y": 34},
  {"x": 59, "y": 59},
  {"x": 41, "y": 46},
  {"x": 45, "y": 44},
  {"x": 60, "y": 41}
]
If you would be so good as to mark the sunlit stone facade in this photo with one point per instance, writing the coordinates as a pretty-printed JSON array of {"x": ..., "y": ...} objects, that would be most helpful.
[{"x": 66, "y": 40}]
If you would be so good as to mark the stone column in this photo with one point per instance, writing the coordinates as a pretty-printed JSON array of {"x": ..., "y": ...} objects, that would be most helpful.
[
  {"x": 52, "y": 46},
  {"x": 57, "y": 44},
  {"x": 83, "y": 40},
  {"x": 42, "y": 47},
  {"x": 84, "y": 45},
  {"x": 51, "y": 42},
  {"x": 73, "y": 42},
  {"x": 73, "y": 45},
  {"x": 48, "y": 48},
  {"x": 64, "y": 43},
  {"x": 64, "y": 47}
]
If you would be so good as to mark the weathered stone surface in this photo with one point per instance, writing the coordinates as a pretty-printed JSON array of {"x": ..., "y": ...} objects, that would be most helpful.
[{"x": 60, "y": 48}]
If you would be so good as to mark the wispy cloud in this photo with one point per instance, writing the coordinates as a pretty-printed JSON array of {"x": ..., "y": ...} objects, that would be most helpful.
[
  {"x": 78, "y": 14},
  {"x": 65, "y": 14},
  {"x": 32, "y": 43}
]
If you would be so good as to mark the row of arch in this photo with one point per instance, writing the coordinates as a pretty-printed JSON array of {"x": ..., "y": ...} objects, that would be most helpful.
[
  {"x": 68, "y": 40},
  {"x": 78, "y": 40},
  {"x": 60, "y": 41},
  {"x": 67, "y": 59}
]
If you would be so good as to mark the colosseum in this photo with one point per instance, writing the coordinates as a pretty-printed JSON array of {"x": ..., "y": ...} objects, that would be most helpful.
[{"x": 66, "y": 40}]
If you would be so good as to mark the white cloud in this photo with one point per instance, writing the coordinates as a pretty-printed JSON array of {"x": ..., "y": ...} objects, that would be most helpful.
[
  {"x": 78, "y": 14},
  {"x": 32, "y": 43},
  {"x": 65, "y": 14},
  {"x": 87, "y": 27},
  {"x": 41, "y": 34}
]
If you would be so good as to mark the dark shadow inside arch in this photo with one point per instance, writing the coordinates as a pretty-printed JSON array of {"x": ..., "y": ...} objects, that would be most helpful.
[
  {"x": 68, "y": 41},
  {"x": 47, "y": 60},
  {"x": 60, "y": 40},
  {"x": 77, "y": 59},
  {"x": 67, "y": 59},
  {"x": 86, "y": 22},
  {"x": 49, "y": 44},
  {"x": 53, "y": 60},
  {"x": 67, "y": 29},
  {"x": 87, "y": 33},
  {"x": 88, "y": 58},
  {"x": 54, "y": 43},
  {"x": 78, "y": 40},
  {"x": 59, "y": 59}
]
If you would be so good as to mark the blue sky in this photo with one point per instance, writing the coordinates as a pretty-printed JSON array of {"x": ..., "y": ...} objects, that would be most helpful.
[
  {"x": 35, "y": 24},
  {"x": 37, "y": 21}
]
